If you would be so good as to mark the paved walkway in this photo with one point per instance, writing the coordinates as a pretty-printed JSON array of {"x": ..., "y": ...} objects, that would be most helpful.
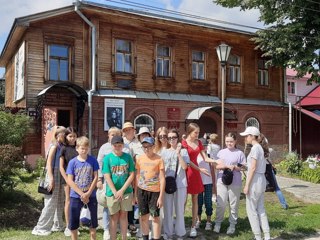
[{"x": 305, "y": 191}]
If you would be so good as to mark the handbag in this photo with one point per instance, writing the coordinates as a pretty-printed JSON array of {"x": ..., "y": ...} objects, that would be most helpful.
[
  {"x": 44, "y": 180},
  {"x": 227, "y": 176},
  {"x": 171, "y": 184},
  {"x": 270, "y": 187},
  {"x": 85, "y": 215}
]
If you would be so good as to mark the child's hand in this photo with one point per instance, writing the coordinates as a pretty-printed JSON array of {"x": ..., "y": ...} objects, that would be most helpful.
[
  {"x": 159, "y": 203},
  {"x": 119, "y": 195},
  {"x": 85, "y": 198},
  {"x": 99, "y": 184}
]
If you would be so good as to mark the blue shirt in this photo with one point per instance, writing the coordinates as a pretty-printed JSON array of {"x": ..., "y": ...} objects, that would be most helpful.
[{"x": 83, "y": 174}]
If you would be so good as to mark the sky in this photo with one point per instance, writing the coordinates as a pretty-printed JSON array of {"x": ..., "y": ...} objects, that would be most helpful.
[{"x": 205, "y": 8}]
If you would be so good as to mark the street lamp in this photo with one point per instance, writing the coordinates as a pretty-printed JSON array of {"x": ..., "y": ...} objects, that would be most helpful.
[{"x": 223, "y": 51}]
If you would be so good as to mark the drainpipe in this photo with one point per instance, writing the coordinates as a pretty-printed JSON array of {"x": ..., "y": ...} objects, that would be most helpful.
[
  {"x": 285, "y": 88},
  {"x": 93, "y": 67}
]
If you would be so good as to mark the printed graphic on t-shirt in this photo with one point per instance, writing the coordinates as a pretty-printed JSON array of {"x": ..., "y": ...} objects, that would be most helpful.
[
  {"x": 83, "y": 177},
  {"x": 119, "y": 170}
]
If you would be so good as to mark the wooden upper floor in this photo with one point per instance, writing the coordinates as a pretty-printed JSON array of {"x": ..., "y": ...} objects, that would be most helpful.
[{"x": 133, "y": 51}]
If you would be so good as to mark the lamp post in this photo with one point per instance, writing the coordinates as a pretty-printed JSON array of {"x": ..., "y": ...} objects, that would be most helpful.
[{"x": 223, "y": 51}]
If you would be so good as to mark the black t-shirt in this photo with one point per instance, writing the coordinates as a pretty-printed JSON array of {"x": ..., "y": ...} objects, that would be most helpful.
[{"x": 68, "y": 152}]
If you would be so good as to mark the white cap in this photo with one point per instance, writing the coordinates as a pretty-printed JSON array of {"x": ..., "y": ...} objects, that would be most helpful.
[
  {"x": 144, "y": 130},
  {"x": 251, "y": 131}
]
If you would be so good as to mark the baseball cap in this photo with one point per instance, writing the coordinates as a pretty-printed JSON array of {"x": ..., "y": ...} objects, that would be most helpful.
[
  {"x": 251, "y": 131},
  {"x": 127, "y": 125},
  {"x": 116, "y": 139},
  {"x": 144, "y": 130},
  {"x": 149, "y": 140}
]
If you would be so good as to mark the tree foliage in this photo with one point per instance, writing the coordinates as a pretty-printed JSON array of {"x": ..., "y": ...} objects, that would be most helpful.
[{"x": 292, "y": 38}]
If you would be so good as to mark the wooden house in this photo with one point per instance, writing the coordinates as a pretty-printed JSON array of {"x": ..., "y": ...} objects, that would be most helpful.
[{"x": 91, "y": 66}]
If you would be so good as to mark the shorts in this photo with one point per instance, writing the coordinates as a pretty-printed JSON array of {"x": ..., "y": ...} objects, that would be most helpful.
[
  {"x": 75, "y": 208},
  {"x": 124, "y": 205},
  {"x": 147, "y": 202}
]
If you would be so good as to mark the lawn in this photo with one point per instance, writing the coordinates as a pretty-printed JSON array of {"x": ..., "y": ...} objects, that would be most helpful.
[{"x": 20, "y": 210}]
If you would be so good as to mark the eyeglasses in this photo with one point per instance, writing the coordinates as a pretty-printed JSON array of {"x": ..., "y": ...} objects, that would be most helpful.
[
  {"x": 172, "y": 138},
  {"x": 163, "y": 137},
  {"x": 146, "y": 147}
]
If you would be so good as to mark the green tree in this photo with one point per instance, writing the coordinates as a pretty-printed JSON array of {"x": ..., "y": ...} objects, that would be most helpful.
[{"x": 292, "y": 38}]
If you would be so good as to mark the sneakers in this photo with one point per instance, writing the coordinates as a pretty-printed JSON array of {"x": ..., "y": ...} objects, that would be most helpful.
[
  {"x": 216, "y": 228},
  {"x": 139, "y": 233},
  {"x": 231, "y": 229},
  {"x": 197, "y": 224},
  {"x": 56, "y": 229},
  {"x": 208, "y": 226},
  {"x": 128, "y": 233},
  {"x": 40, "y": 232},
  {"x": 193, "y": 232},
  {"x": 214, "y": 198},
  {"x": 67, "y": 232},
  {"x": 106, "y": 235}
]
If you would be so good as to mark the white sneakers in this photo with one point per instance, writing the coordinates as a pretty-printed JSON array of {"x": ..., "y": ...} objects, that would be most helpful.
[
  {"x": 67, "y": 232},
  {"x": 231, "y": 229},
  {"x": 193, "y": 232},
  {"x": 216, "y": 228},
  {"x": 197, "y": 224},
  {"x": 208, "y": 226},
  {"x": 40, "y": 232},
  {"x": 106, "y": 235}
]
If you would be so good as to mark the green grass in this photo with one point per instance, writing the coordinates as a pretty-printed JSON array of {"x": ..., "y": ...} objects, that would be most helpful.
[{"x": 21, "y": 208}]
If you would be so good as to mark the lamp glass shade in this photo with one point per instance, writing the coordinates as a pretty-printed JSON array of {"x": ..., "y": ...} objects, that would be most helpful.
[{"x": 223, "y": 51}]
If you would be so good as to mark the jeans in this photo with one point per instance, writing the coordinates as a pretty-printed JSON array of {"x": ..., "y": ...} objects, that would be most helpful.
[
  {"x": 105, "y": 218},
  {"x": 279, "y": 193}
]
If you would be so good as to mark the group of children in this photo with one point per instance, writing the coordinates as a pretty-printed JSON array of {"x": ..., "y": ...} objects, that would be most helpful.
[{"x": 132, "y": 170}]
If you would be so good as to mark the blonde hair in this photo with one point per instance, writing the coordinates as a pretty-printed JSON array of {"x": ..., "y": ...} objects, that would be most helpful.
[
  {"x": 264, "y": 144},
  {"x": 56, "y": 131},
  {"x": 116, "y": 131},
  {"x": 158, "y": 144},
  {"x": 213, "y": 137},
  {"x": 83, "y": 142}
]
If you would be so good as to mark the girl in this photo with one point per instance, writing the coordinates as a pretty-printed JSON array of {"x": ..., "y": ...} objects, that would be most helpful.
[
  {"x": 195, "y": 186},
  {"x": 256, "y": 185},
  {"x": 171, "y": 157},
  {"x": 161, "y": 140},
  {"x": 68, "y": 152},
  {"x": 51, "y": 215},
  {"x": 231, "y": 158}
]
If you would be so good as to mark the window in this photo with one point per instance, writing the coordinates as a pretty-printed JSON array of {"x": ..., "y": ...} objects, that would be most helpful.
[
  {"x": 263, "y": 73},
  {"x": 198, "y": 63},
  {"x": 59, "y": 62},
  {"x": 292, "y": 87},
  {"x": 144, "y": 120},
  {"x": 163, "y": 68},
  {"x": 252, "y": 122},
  {"x": 123, "y": 63},
  {"x": 234, "y": 72}
]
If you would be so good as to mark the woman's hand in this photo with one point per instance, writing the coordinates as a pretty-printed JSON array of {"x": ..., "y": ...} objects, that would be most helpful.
[
  {"x": 204, "y": 171},
  {"x": 246, "y": 190},
  {"x": 51, "y": 185}
]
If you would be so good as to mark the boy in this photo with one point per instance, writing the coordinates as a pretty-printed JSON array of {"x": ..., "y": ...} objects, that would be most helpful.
[
  {"x": 118, "y": 170},
  {"x": 82, "y": 174},
  {"x": 150, "y": 187}
]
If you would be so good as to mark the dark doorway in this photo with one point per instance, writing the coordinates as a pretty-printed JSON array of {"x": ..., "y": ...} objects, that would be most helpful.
[{"x": 64, "y": 118}]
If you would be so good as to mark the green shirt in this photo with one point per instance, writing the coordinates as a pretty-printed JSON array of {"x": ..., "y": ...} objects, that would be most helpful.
[{"x": 119, "y": 168}]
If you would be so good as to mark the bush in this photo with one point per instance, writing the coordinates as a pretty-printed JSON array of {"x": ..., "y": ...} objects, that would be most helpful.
[
  {"x": 13, "y": 128},
  {"x": 292, "y": 163},
  {"x": 310, "y": 175},
  {"x": 11, "y": 159}
]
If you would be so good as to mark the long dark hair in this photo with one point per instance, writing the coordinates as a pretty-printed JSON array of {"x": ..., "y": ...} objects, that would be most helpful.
[{"x": 68, "y": 131}]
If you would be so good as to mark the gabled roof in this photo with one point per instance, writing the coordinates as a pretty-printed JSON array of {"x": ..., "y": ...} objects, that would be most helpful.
[
  {"x": 311, "y": 99},
  {"x": 22, "y": 23}
]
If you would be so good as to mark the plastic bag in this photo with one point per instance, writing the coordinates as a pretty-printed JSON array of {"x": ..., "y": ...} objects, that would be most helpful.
[{"x": 85, "y": 216}]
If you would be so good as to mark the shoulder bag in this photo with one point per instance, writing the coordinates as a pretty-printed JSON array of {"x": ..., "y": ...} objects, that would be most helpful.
[
  {"x": 44, "y": 181},
  {"x": 171, "y": 184}
]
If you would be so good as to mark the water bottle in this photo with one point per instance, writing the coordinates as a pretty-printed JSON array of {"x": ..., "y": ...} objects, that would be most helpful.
[{"x": 136, "y": 211}]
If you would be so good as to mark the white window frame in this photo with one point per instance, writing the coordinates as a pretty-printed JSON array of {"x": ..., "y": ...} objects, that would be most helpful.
[
  {"x": 252, "y": 122},
  {"x": 161, "y": 60},
  {"x": 125, "y": 55},
  {"x": 235, "y": 69},
  {"x": 198, "y": 64},
  {"x": 292, "y": 90},
  {"x": 138, "y": 126},
  {"x": 263, "y": 73}
]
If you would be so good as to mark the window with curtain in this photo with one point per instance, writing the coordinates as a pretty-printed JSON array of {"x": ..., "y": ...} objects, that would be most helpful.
[
  {"x": 198, "y": 65},
  {"x": 163, "y": 61},
  {"x": 234, "y": 69}
]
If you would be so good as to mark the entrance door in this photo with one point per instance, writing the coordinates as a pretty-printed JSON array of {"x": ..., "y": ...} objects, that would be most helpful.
[{"x": 64, "y": 117}]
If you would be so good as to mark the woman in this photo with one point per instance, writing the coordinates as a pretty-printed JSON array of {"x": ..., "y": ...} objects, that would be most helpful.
[
  {"x": 161, "y": 140},
  {"x": 50, "y": 219},
  {"x": 175, "y": 157},
  {"x": 195, "y": 186},
  {"x": 256, "y": 185},
  {"x": 231, "y": 158},
  {"x": 68, "y": 152},
  {"x": 265, "y": 146}
]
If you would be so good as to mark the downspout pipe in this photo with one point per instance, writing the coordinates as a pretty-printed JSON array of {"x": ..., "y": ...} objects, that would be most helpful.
[{"x": 93, "y": 68}]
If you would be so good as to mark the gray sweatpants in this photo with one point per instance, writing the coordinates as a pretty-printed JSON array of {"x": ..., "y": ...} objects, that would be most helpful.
[
  {"x": 255, "y": 207},
  {"x": 51, "y": 215}
]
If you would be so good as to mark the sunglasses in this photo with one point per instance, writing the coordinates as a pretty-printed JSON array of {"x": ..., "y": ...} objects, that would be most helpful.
[
  {"x": 163, "y": 137},
  {"x": 172, "y": 138}
]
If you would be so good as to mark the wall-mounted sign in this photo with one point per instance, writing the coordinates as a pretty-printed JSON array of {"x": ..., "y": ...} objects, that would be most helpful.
[
  {"x": 113, "y": 113},
  {"x": 173, "y": 115}
]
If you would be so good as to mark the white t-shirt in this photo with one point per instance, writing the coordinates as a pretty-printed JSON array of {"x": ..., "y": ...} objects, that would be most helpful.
[
  {"x": 213, "y": 150},
  {"x": 203, "y": 164},
  {"x": 258, "y": 154}
]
